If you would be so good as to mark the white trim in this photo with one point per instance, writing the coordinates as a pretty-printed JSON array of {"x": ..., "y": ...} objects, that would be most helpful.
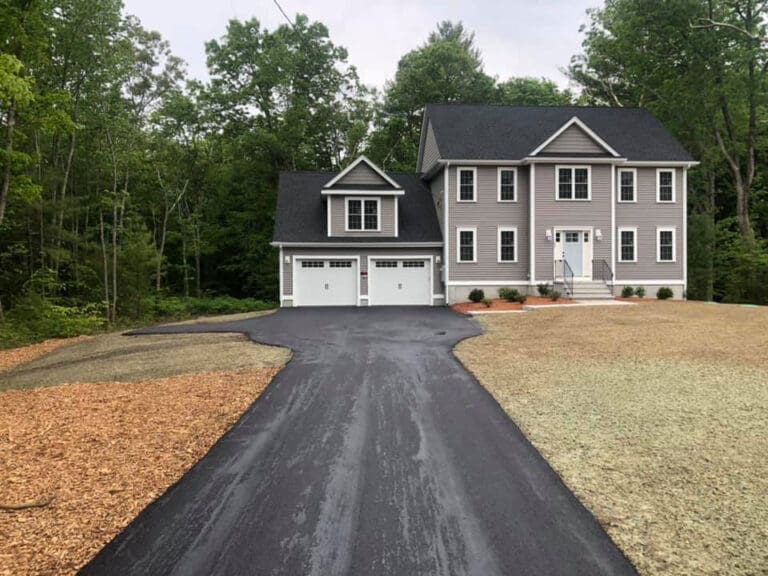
[
  {"x": 658, "y": 185},
  {"x": 348, "y": 191},
  {"x": 573, "y": 168},
  {"x": 499, "y": 170},
  {"x": 446, "y": 226},
  {"x": 613, "y": 223},
  {"x": 556, "y": 159},
  {"x": 403, "y": 257},
  {"x": 649, "y": 282},
  {"x": 359, "y": 244},
  {"x": 489, "y": 283},
  {"x": 435, "y": 296},
  {"x": 352, "y": 166},
  {"x": 587, "y": 249},
  {"x": 297, "y": 257},
  {"x": 659, "y": 230},
  {"x": 460, "y": 169},
  {"x": 347, "y": 200},
  {"x": 575, "y": 120},
  {"x": 532, "y": 221},
  {"x": 665, "y": 164},
  {"x": 457, "y": 161},
  {"x": 569, "y": 159},
  {"x": 328, "y": 211},
  {"x": 617, "y": 189},
  {"x": 282, "y": 265},
  {"x": 619, "y": 230},
  {"x": 499, "y": 230},
  {"x": 397, "y": 216},
  {"x": 459, "y": 230},
  {"x": 684, "y": 239},
  {"x": 289, "y": 297}
]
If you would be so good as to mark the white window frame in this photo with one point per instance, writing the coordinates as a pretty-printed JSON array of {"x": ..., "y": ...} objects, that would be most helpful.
[
  {"x": 634, "y": 186},
  {"x": 659, "y": 230},
  {"x": 632, "y": 229},
  {"x": 499, "y": 230},
  {"x": 459, "y": 170},
  {"x": 658, "y": 185},
  {"x": 499, "y": 170},
  {"x": 363, "y": 200},
  {"x": 573, "y": 168},
  {"x": 459, "y": 230}
]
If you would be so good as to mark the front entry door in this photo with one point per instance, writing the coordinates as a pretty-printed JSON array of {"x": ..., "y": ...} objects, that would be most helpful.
[{"x": 573, "y": 251}]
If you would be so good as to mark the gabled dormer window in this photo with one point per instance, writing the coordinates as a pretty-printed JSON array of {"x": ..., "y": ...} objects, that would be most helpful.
[
  {"x": 363, "y": 214},
  {"x": 466, "y": 182}
]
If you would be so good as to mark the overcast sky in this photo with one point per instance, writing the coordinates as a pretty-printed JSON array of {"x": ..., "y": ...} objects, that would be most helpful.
[{"x": 517, "y": 37}]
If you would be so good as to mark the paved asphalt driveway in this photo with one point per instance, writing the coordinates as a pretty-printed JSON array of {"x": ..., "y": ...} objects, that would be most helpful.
[{"x": 374, "y": 452}]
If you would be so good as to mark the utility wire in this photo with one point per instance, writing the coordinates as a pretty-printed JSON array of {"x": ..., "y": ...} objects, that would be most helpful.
[{"x": 290, "y": 22}]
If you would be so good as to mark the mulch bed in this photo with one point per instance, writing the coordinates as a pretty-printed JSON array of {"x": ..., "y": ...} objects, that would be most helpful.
[{"x": 500, "y": 304}]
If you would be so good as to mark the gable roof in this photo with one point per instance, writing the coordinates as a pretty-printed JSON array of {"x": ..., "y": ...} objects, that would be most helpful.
[
  {"x": 362, "y": 162},
  {"x": 301, "y": 211},
  {"x": 482, "y": 132},
  {"x": 580, "y": 126}
]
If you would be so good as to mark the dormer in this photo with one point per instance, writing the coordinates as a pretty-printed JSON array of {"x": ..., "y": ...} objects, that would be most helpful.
[{"x": 362, "y": 200}]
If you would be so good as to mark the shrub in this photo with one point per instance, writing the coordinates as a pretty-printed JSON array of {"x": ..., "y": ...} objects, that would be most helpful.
[
  {"x": 476, "y": 295},
  {"x": 627, "y": 292},
  {"x": 664, "y": 293},
  {"x": 487, "y": 302},
  {"x": 554, "y": 295},
  {"x": 544, "y": 290},
  {"x": 179, "y": 307},
  {"x": 512, "y": 295},
  {"x": 640, "y": 292}
]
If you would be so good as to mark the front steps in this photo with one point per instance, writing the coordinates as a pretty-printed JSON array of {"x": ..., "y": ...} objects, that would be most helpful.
[{"x": 594, "y": 290}]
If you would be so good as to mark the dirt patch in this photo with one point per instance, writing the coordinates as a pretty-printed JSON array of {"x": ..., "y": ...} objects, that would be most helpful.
[
  {"x": 654, "y": 415},
  {"x": 16, "y": 356},
  {"x": 118, "y": 358},
  {"x": 500, "y": 304}
]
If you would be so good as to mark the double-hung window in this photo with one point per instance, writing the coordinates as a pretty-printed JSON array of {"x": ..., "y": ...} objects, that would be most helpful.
[
  {"x": 627, "y": 244},
  {"x": 363, "y": 214},
  {"x": 665, "y": 185},
  {"x": 507, "y": 243},
  {"x": 573, "y": 183},
  {"x": 466, "y": 239},
  {"x": 466, "y": 180},
  {"x": 507, "y": 183},
  {"x": 627, "y": 185},
  {"x": 665, "y": 242}
]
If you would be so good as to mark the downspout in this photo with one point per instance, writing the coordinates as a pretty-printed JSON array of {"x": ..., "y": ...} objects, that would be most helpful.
[
  {"x": 446, "y": 235},
  {"x": 614, "y": 192},
  {"x": 532, "y": 229},
  {"x": 685, "y": 233}
]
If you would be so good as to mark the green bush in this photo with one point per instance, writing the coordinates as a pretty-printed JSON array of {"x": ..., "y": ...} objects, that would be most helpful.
[
  {"x": 179, "y": 307},
  {"x": 476, "y": 295},
  {"x": 544, "y": 290},
  {"x": 487, "y": 302},
  {"x": 627, "y": 292},
  {"x": 512, "y": 295},
  {"x": 554, "y": 295},
  {"x": 664, "y": 293},
  {"x": 640, "y": 292}
]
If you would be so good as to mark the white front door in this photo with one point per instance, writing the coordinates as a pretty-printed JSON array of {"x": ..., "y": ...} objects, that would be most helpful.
[
  {"x": 575, "y": 247},
  {"x": 403, "y": 282},
  {"x": 573, "y": 251},
  {"x": 321, "y": 282}
]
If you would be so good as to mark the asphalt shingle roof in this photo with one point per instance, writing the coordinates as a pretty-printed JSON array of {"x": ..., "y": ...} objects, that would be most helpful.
[
  {"x": 301, "y": 213},
  {"x": 481, "y": 132}
]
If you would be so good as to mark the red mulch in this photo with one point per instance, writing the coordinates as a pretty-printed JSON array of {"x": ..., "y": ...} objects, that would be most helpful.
[{"x": 499, "y": 304}]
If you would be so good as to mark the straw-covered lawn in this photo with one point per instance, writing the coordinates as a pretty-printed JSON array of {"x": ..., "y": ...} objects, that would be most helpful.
[{"x": 656, "y": 416}]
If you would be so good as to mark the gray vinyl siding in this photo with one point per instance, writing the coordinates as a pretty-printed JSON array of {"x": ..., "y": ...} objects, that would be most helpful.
[
  {"x": 338, "y": 212},
  {"x": 551, "y": 214},
  {"x": 436, "y": 186},
  {"x": 646, "y": 215},
  {"x": 431, "y": 153},
  {"x": 362, "y": 174},
  {"x": 574, "y": 140},
  {"x": 364, "y": 253},
  {"x": 487, "y": 214}
]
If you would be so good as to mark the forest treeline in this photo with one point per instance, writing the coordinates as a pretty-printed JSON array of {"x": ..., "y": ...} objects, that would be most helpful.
[{"x": 128, "y": 188}]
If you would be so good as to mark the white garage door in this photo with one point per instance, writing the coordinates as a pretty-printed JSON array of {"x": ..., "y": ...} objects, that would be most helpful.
[
  {"x": 399, "y": 282},
  {"x": 325, "y": 282}
]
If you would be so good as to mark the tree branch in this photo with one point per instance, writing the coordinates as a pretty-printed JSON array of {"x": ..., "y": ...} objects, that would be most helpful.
[{"x": 708, "y": 24}]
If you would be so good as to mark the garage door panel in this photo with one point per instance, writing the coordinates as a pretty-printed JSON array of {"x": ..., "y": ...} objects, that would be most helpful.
[
  {"x": 325, "y": 282},
  {"x": 400, "y": 282}
]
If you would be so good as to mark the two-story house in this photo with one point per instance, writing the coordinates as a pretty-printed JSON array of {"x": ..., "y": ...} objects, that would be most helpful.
[{"x": 587, "y": 199}]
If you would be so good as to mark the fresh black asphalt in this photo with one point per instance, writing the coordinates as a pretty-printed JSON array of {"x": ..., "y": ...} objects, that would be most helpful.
[{"x": 373, "y": 453}]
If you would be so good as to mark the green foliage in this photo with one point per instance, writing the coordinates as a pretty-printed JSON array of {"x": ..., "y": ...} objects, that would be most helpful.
[
  {"x": 476, "y": 295},
  {"x": 544, "y": 289},
  {"x": 512, "y": 295},
  {"x": 741, "y": 266},
  {"x": 664, "y": 293},
  {"x": 533, "y": 92},
  {"x": 640, "y": 292},
  {"x": 160, "y": 307},
  {"x": 627, "y": 292},
  {"x": 554, "y": 295},
  {"x": 487, "y": 302}
]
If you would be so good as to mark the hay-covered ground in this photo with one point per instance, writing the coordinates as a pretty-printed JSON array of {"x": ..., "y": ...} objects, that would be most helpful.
[{"x": 656, "y": 416}]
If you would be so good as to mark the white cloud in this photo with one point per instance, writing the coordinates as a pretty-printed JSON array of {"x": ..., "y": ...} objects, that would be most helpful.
[{"x": 516, "y": 37}]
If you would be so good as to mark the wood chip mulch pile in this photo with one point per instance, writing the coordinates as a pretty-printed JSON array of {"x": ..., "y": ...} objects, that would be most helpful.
[
  {"x": 90, "y": 457},
  {"x": 16, "y": 356}
]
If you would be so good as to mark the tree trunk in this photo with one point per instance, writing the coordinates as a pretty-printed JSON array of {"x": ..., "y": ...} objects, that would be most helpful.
[
  {"x": 6, "y": 187},
  {"x": 196, "y": 238},
  {"x": 59, "y": 219},
  {"x": 105, "y": 264},
  {"x": 712, "y": 241}
]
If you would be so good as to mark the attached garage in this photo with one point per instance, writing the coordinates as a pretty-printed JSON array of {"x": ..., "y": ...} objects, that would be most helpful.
[
  {"x": 397, "y": 281},
  {"x": 326, "y": 281}
]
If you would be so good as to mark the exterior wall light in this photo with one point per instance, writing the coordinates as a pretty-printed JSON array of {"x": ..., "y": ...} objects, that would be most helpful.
[
  {"x": 437, "y": 260},
  {"x": 548, "y": 234},
  {"x": 598, "y": 234},
  {"x": 287, "y": 259}
]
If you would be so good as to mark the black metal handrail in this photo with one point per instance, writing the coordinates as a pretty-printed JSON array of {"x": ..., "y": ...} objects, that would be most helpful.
[
  {"x": 566, "y": 275},
  {"x": 603, "y": 271}
]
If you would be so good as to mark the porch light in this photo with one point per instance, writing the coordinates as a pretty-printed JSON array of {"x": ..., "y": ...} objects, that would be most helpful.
[
  {"x": 437, "y": 260},
  {"x": 548, "y": 234},
  {"x": 598, "y": 234},
  {"x": 287, "y": 259}
]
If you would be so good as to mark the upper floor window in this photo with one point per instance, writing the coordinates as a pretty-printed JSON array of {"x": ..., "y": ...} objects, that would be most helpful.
[
  {"x": 507, "y": 244},
  {"x": 627, "y": 185},
  {"x": 627, "y": 244},
  {"x": 665, "y": 251},
  {"x": 466, "y": 180},
  {"x": 465, "y": 244},
  {"x": 507, "y": 184},
  {"x": 573, "y": 183},
  {"x": 665, "y": 185},
  {"x": 363, "y": 214}
]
